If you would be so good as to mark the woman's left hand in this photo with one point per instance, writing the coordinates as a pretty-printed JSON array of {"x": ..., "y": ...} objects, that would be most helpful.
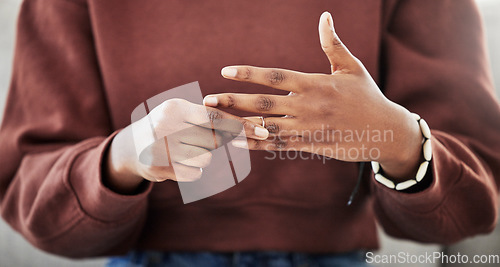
[{"x": 342, "y": 115}]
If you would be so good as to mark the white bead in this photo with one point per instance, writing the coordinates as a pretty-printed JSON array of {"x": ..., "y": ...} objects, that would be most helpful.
[
  {"x": 424, "y": 127},
  {"x": 427, "y": 150},
  {"x": 375, "y": 167},
  {"x": 422, "y": 170},
  {"x": 381, "y": 179},
  {"x": 416, "y": 116},
  {"x": 406, "y": 184}
]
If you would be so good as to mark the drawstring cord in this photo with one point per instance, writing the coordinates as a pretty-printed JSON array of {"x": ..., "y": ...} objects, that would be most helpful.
[{"x": 358, "y": 183}]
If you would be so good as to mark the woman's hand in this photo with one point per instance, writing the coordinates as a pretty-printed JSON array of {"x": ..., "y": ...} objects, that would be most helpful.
[
  {"x": 186, "y": 134},
  {"x": 342, "y": 115}
]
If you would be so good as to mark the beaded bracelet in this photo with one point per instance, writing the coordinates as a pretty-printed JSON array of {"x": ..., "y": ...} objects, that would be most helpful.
[{"x": 422, "y": 170}]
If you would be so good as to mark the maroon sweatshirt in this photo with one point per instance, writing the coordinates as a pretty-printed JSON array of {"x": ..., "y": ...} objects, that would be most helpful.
[{"x": 82, "y": 66}]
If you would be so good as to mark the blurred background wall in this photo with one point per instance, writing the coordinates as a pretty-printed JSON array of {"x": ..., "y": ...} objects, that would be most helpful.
[{"x": 15, "y": 251}]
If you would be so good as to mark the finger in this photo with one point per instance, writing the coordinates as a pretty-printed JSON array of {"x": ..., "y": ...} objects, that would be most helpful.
[
  {"x": 159, "y": 173},
  {"x": 337, "y": 53},
  {"x": 176, "y": 172},
  {"x": 191, "y": 156},
  {"x": 200, "y": 137},
  {"x": 290, "y": 144},
  {"x": 211, "y": 118},
  {"x": 278, "y": 125},
  {"x": 179, "y": 152},
  {"x": 287, "y": 126},
  {"x": 257, "y": 103},
  {"x": 281, "y": 79},
  {"x": 185, "y": 173},
  {"x": 345, "y": 152},
  {"x": 155, "y": 154},
  {"x": 167, "y": 150},
  {"x": 273, "y": 144}
]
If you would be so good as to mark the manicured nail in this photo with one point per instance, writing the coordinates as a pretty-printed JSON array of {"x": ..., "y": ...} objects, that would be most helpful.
[
  {"x": 210, "y": 101},
  {"x": 229, "y": 72},
  {"x": 240, "y": 143},
  {"x": 261, "y": 132}
]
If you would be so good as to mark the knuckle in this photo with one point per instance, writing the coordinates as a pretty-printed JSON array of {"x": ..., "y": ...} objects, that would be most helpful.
[
  {"x": 245, "y": 73},
  {"x": 337, "y": 43},
  {"x": 280, "y": 143},
  {"x": 276, "y": 77},
  {"x": 230, "y": 100},
  {"x": 264, "y": 103},
  {"x": 325, "y": 47},
  {"x": 214, "y": 115},
  {"x": 255, "y": 144},
  {"x": 273, "y": 127}
]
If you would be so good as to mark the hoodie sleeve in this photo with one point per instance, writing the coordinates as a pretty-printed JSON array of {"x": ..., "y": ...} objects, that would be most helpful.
[
  {"x": 435, "y": 64},
  {"x": 54, "y": 136}
]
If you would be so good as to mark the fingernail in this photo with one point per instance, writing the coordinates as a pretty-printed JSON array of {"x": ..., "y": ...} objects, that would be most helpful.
[
  {"x": 240, "y": 143},
  {"x": 261, "y": 132},
  {"x": 229, "y": 72},
  {"x": 210, "y": 101}
]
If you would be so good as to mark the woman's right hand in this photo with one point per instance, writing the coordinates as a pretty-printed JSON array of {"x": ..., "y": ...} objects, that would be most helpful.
[{"x": 192, "y": 132}]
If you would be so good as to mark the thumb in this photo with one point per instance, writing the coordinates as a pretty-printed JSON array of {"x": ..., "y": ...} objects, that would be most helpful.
[{"x": 337, "y": 53}]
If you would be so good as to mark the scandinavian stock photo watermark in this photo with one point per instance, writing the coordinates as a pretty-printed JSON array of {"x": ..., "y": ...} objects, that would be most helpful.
[
  {"x": 168, "y": 128},
  {"x": 326, "y": 143}
]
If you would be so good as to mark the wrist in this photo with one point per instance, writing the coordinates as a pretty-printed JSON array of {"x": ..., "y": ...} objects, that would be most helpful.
[
  {"x": 119, "y": 172},
  {"x": 421, "y": 167},
  {"x": 405, "y": 151}
]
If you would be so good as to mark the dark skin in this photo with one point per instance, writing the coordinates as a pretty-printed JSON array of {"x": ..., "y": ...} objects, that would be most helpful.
[{"x": 346, "y": 100}]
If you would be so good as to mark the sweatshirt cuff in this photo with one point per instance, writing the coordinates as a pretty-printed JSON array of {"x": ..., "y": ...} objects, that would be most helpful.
[
  {"x": 444, "y": 171},
  {"x": 85, "y": 175}
]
